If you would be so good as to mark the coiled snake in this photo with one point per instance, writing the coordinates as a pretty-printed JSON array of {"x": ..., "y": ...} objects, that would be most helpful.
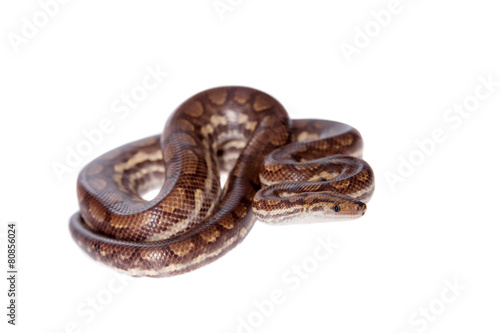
[{"x": 280, "y": 171}]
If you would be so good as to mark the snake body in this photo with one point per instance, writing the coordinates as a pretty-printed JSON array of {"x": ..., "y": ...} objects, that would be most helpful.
[{"x": 280, "y": 171}]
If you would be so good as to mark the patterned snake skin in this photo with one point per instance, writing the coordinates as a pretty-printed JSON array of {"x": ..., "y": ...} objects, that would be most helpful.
[{"x": 280, "y": 171}]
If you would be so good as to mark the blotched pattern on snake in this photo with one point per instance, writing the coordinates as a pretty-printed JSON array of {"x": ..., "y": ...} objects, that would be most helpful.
[{"x": 279, "y": 171}]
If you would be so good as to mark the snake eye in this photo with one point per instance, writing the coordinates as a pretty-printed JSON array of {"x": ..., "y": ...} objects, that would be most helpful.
[{"x": 337, "y": 209}]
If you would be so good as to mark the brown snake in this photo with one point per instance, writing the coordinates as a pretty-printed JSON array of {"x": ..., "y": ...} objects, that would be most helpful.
[{"x": 279, "y": 171}]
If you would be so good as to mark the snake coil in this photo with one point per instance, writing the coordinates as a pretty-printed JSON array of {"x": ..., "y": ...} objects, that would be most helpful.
[{"x": 280, "y": 171}]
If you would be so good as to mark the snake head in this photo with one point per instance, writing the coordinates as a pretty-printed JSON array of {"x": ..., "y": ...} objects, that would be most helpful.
[
  {"x": 343, "y": 208},
  {"x": 331, "y": 206},
  {"x": 274, "y": 205}
]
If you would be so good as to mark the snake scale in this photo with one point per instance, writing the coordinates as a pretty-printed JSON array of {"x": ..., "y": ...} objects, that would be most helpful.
[{"x": 279, "y": 171}]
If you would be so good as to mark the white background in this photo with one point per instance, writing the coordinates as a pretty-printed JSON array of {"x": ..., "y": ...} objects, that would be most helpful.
[{"x": 439, "y": 223}]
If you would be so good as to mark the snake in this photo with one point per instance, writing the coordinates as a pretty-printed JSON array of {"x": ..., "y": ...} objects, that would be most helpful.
[{"x": 279, "y": 171}]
